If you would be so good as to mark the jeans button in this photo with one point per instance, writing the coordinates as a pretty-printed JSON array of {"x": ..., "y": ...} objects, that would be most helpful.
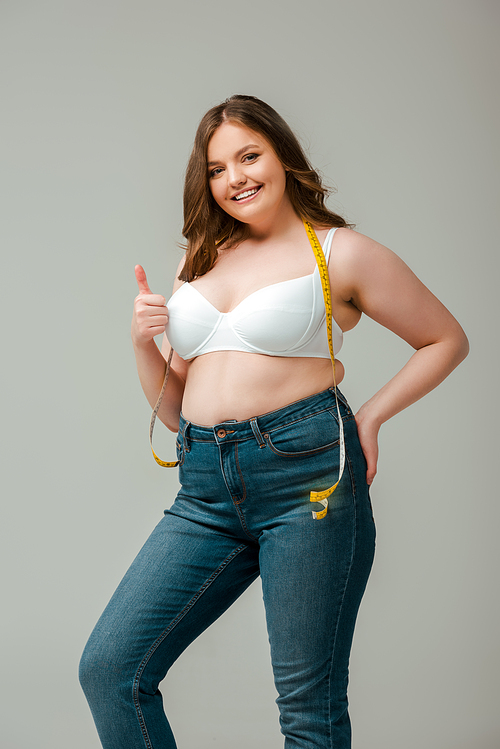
[{"x": 221, "y": 433}]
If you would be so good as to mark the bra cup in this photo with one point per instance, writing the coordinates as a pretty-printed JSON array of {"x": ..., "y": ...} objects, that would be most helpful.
[
  {"x": 192, "y": 321},
  {"x": 273, "y": 325},
  {"x": 283, "y": 319}
]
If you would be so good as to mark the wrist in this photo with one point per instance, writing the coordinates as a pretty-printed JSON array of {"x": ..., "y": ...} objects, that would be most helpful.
[
  {"x": 142, "y": 345},
  {"x": 369, "y": 417}
]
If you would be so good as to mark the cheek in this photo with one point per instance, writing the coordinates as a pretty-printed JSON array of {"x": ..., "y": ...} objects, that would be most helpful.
[
  {"x": 216, "y": 191},
  {"x": 280, "y": 181},
  {"x": 279, "y": 175},
  {"x": 219, "y": 195}
]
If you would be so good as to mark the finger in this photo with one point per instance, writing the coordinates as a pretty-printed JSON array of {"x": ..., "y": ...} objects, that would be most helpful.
[
  {"x": 151, "y": 300},
  {"x": 157, "y": 321},
  {"x": 157, "y": 330},
  {"x": 371, "y": 469},
  {"x": 142, "y": 281}
]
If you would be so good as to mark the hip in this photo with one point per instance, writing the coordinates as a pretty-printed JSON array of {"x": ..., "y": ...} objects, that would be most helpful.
[{"x": 281, "y": 456}]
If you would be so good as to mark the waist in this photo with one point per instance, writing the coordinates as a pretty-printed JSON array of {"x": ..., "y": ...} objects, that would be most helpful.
[
  {"x": 236, "y": 385},
  {"x": 233, "y": 430}
]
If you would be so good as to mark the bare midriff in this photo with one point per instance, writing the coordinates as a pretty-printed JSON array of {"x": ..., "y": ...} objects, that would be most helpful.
[{"x": 226, "y": 385}]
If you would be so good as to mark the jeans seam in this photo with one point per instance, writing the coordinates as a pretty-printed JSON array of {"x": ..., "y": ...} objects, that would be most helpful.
[
  {"x": 180, "y": 453},
  {"x": 166, "y": 632},
  {"x": 300, "y": 453},
  {"x": 243, "y": 524},
  {"x": 185, "y": 438},
  {"x": 239, "y": 501},
  {"x": 353, "y": 546},
  {"x": 346, "y": 418},
  {"x": 298, "y": 419}
]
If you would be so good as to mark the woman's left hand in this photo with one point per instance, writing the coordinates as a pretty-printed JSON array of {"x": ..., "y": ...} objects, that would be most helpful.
[{"x": 368, "y": 436}]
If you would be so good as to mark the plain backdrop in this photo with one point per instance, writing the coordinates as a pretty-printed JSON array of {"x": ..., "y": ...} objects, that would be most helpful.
[{"x": 397, "y": 104}]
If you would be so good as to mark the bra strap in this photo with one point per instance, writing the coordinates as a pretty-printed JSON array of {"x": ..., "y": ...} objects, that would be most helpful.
[{"x": 322, "y": 496}]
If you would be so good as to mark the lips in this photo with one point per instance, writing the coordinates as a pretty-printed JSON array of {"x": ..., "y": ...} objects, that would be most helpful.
[{"x": 244, "y": 194}]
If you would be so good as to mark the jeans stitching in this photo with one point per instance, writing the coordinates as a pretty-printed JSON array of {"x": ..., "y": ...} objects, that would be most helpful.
[
  {"x": 185, "y": 440},
  {"x": 353, "y": 546},
  {"x": 300, "y": 453},
  {"x": 348, "y": 417},
  {"x": 164, "y": 635},
  {"x": 345, "y": 419},
  {"x": 297, "y": 420},
  {"x": 239, "y": 501},
  {"x": 243, "y": 524},
  {"x": 180, "y": 453}
]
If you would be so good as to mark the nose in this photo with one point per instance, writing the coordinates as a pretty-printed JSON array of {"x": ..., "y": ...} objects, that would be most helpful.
[{"x": 236, "y": 176}]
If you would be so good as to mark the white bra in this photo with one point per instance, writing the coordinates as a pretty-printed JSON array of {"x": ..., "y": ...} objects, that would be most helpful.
[{"x": 283, "y": 319}]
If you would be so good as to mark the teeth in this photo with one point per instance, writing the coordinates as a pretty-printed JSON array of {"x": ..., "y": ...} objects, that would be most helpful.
[{"x": 246, "y": 194}]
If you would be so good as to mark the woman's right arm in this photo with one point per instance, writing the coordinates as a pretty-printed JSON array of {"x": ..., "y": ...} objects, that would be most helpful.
[{"x": 149, "y": 320}]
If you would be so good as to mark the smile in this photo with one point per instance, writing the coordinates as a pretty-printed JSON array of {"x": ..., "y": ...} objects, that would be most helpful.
[{"x": 246, "y": 193}]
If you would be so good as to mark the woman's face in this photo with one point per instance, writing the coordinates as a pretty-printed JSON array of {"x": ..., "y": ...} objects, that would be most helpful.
[{"x": 246, "y": 178}]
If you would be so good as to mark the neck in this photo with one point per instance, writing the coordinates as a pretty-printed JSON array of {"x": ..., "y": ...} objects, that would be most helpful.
[{"x": 283, "y": 221}]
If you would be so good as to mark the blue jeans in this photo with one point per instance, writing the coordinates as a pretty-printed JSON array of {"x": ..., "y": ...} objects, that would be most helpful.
[{"x": 243, "y": 510}]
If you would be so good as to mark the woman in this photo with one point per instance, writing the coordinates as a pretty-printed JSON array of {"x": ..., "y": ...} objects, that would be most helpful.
[{"x": 250, "y": 395}]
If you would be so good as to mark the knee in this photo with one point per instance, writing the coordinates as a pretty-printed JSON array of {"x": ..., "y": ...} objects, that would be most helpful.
[
  {"x": 97, "y": 672},
  {"x": 90, "y": 670}
]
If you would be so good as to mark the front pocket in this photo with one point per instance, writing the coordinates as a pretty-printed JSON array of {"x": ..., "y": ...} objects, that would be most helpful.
[{"x": 308, "y": 436}]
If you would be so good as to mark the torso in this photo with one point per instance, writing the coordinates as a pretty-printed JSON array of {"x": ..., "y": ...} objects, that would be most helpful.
[{"x": 224, "y": 385}]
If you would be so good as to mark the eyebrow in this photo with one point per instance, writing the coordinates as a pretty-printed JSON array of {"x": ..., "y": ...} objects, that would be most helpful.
[{"x": 238, "y": 153}]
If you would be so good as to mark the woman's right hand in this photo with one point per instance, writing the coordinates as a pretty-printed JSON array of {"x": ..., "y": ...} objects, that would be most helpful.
[
  {"x": 150, "y": 312},
  {"x": 368, "y": 437}
]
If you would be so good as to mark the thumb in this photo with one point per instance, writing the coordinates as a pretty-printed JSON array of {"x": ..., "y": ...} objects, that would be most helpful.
[
  {"x": 371, "y": 456},
  {"x": 142, "y": 281}
]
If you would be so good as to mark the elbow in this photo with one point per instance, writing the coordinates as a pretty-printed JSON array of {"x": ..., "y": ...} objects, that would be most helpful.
[
  {"x": 461, "y": 346},
  {"x": 464, "y": 346},
  {"x": 454, "y": 348}
]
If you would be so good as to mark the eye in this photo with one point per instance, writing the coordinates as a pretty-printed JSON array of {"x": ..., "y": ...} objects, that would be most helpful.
[
  {"x": 250, "y": 157},
  {"x": 215, "y": 172}
]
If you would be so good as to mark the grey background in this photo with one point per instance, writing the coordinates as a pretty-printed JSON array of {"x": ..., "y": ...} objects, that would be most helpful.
[{"x": 397, "y": 104}]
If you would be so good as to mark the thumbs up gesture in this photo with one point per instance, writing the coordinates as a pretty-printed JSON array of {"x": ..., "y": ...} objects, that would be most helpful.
[{"x": 150, "y": 311}]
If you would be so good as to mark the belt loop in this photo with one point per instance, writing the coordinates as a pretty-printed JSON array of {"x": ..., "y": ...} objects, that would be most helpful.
[
  {"x": 256, "y": 432},
  {"x": 185, "y": 438}
]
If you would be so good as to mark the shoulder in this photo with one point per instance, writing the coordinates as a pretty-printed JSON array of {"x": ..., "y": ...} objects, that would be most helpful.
[
  {"x": 352, "y": 245},
  {"x": 357, "y": 260}
]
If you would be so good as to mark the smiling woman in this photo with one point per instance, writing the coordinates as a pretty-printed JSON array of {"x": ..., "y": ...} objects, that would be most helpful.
[
  {"x": 247, "y": 180},
  {"x": 261, "y": 423},
  {"x": 207, "y": 224}
]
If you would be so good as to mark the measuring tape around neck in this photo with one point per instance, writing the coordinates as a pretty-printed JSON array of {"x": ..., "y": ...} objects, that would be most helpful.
[{"x": 321, "y": 496}]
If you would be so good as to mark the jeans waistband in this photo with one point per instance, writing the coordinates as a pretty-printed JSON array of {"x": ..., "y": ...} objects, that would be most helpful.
[{"x": 234, "y": 431}]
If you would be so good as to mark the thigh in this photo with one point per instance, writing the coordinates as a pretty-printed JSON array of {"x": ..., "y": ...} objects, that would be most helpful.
[
  {"x": 314, "y": 573},
  {"x": 182, "y": 580}
]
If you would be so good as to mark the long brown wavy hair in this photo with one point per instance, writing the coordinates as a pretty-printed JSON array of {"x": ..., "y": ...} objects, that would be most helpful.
[{"x": 206, "y": 225}]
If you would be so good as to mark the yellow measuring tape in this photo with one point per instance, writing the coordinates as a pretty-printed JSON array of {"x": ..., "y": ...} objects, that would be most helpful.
[
  {"x": 163, "y": 463},
  {"x": 322, "y": 496}
]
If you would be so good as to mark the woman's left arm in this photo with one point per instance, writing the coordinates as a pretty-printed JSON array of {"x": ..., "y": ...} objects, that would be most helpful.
[{"x": 380, "y": 284}]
